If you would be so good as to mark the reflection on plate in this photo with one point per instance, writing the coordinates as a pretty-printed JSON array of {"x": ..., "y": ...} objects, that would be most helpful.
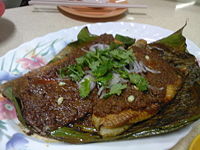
[
  {"x": 90, "y": 12},
  {"x": 38, "y": 52}
]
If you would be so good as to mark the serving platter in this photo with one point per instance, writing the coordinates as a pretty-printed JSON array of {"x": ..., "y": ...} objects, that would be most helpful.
[{"x": 38, "y": 52}]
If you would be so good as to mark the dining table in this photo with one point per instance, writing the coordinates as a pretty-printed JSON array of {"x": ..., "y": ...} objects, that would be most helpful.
[{"x": 23, "y": 24}]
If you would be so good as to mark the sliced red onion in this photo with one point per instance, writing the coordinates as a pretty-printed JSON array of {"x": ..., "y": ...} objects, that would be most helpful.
[
  {"x": 98, "y": 46},
  {"x": 84, "y": 50},
  {"x": 122, "y": 48},
  {"x": 117, "y": 79},
  {"x": 152, "y": 71},
  {"x": 100, "y": 91},
  {"x": 155, "y": 88},
  {"x": 103, "y": 94},
  {"x": 91, "y": 79},
  {"x": 139, "y": 67}
]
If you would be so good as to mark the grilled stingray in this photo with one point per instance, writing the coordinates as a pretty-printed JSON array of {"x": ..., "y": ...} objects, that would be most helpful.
[{"x": 153, "y": 90}]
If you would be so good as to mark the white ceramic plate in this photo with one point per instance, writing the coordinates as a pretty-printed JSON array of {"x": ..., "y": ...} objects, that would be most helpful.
[{"x": 38, "y": 52}]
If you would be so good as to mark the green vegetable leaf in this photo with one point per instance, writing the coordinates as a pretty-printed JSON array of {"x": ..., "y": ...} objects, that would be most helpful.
[
  {"x": 118, "y": 64},
  {"x": 116, "y": 89},
  {"x": 139, "y": 81},
  {"x": 85, "y": 36},
  {"x": 103, "y": 81},
  {"x": 75, "y": 72},
  {"x": 63, "y": 72},
  {"x": 122, "y": 55},
  {"x": 114, "y": 45},
  {"x": 124, "y": 74},
  {"x": 73, "y": 136},
  {"x": 176, "y": 41},
  {"x": 8, "y": 92},
  {"x": 94, "y": 65},
  {"x": 128, "y": 41},
  {"x": 84, "y": 88},
  {"x": 102, "y": 69},
  {"x": 81, "y": 60}
]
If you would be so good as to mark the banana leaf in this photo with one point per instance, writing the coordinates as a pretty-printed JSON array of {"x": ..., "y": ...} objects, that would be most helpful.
[{"x": 181, "y": 111}]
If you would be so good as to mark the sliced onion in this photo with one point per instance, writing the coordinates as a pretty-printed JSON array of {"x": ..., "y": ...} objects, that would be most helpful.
[
  {"x": 152, "y": 71},
  {"x": 103, "y": 94},
  {"x": 121, "y": 48},
  {"x": 117, "y": 79},
  {"x": 100, "y": 91},
  {"x": 139, "y": 67},
  {"x": 91, "y": 79},
  {"x": 84, "y": 50},
  {"x": 98, "y": 46},
  {"x": 155, "y": 88}
]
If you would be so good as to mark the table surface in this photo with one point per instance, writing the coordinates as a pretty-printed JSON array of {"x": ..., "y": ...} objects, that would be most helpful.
[{"x": 19, "y": 25}]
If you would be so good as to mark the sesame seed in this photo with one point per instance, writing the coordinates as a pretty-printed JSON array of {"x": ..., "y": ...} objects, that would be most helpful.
[
  {"x": 131, "y": 98},
  {"x": 147, "y": 57},
  {"x": 60, "y": 100},
  {"x": 61, "y": 83}
]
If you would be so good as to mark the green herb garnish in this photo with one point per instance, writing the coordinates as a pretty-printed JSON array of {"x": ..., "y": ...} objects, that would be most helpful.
[
  {"x": 104, "y": 81},
  {"x": 139, "y": 81},
  {"x": 75, "y": 72},
  {"x": 116, "y": 89},
  {"x": 84, "y": 88},
  {"x": 102, "y": 64}
]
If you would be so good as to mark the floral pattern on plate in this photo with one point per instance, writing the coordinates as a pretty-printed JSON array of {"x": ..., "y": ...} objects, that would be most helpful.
[
  {"x": 31, "y": 63},
  {"x": 17, "y": 142},
  {"x": 7, "y": 110}
]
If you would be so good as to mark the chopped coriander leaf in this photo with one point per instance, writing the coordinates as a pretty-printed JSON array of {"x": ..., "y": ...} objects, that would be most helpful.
[
  {"x": 63, "y": 72},
  {"x": 102, "y": 69},
  {"x": 124, "y": 74},
  {"x": 104, "y": 81},
  {"x": 122, "y": 55},
  {"x": 94, "y": 65},
  {"x": 84, "y": 88},
  {"x": 139, "y": 81},
  {"x": 93, "y": 55},
  {"x": 125, "y": 39},
  {"x": 105, "y": 58},
  {"x": 118, "y": 64},
  {"x": 75, "y": 72},
  {"x": 81, "y": 60},
  {"x": 116, "y": 89}
]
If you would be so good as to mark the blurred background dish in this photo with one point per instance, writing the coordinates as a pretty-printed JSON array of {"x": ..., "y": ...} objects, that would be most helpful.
[
  {"x": 2, "y": 8},
  {"x": 90, "y": 12},
  {"x": 12, "y": 3}
]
